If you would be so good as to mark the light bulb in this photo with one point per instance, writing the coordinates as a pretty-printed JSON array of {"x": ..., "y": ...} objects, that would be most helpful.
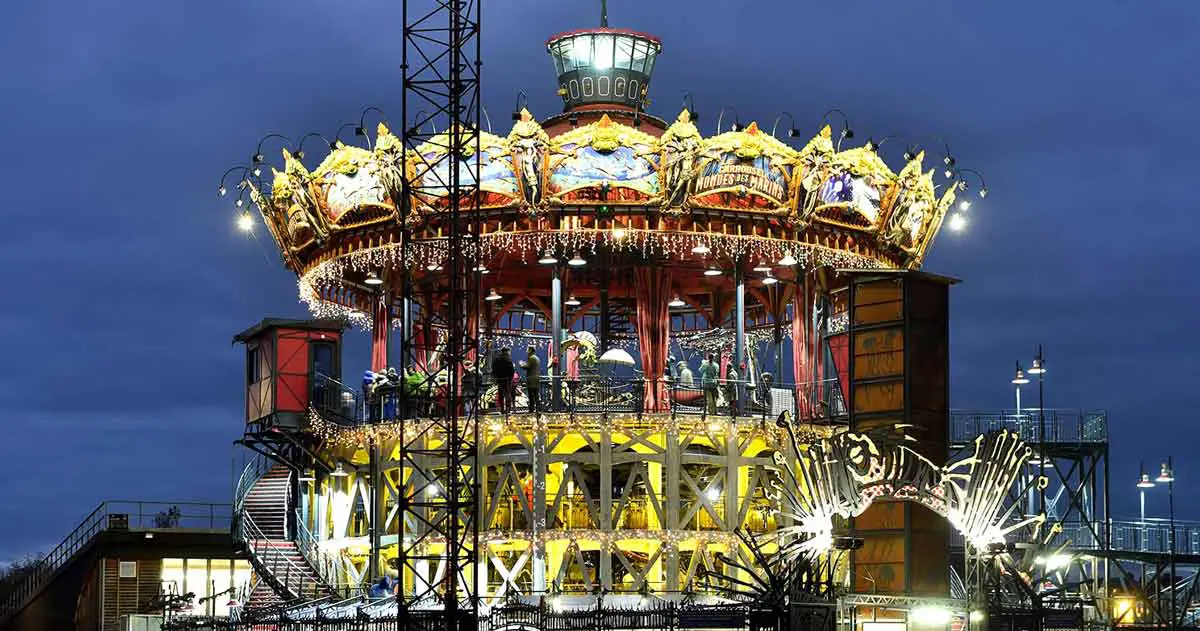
[
  {"x": 572, "y": 302},
  {"x": 712, "y": 271},
  {"x": 677, "y": 302},
  {"x": 492, "y": 295},
  {"x": 964, "y": 204},
  {"x": 957, "y": 222},
  {"x": 245, "y": 222}
]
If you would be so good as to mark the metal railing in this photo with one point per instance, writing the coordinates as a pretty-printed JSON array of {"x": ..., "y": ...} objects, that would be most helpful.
[
  {"x": 116, "y": 515},
  {"x": 325, "y": 566},
  {"x": 1061, "y": 426},
  {"x": 298, "y": 582},
  {"x": 817, "y": 402},
  {"x": 1151, "y": 536},
  {"x": 820, "y": 401}
]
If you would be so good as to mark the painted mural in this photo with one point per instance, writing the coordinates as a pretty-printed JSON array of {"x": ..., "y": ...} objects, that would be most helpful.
[
  {"x": 604, "y": 162},
  {"x": 744, "y": 170}
]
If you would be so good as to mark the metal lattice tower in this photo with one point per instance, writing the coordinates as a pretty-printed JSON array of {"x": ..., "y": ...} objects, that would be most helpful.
[{"x": 439, "y": 531}]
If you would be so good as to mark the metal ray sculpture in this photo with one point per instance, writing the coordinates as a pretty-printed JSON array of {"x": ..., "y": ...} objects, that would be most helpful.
[{"x": 843, "y": 474}]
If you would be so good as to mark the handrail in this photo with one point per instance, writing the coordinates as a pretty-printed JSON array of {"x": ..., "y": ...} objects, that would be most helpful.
[
  {"x": 325, "y": 567},
  {"x": 1058, "y": 426},
  {"x": 290, "y": 567},
  {"x": 115, "y": 515}
]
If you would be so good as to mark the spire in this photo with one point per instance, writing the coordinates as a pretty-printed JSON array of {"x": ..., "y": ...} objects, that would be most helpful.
[{"x": 603, "y": 13}]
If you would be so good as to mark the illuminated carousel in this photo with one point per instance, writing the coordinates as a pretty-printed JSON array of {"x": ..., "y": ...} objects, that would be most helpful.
[{"x": 688, "y": 299}]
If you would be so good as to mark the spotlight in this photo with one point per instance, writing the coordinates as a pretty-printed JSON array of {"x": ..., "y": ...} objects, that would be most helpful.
[
  {"x": 492, "y": 295},
  {"x": 238, "y": 203},
  {"x": 909, "y": 156},
  {"x": 677, "y": 302},
  {"x": 1144, "y": 482},
  {"x": 983, "y": 192},
  {"x": 847, "y": 133},
  {"x": 572, "y": 301},
  {"x": 870, "y": 146},
  {"x": 577, "y": 261},
  {"x": 258, "y": 158},
  {"x": 701, "y": 248},
  {"x": 788, "y": 260},
  {"x": 1166, "y": 474},
  {"x": 793, "y": 132},
  {"x": 245, "y": 222},
  {"x": 957, "y": 222},
  {"x": 548, "y": 258},
  {"x": 949, "y": 173},
  {"x": 257, "y": 171},
  {"x": 373, "y": 279},
  {"x": 964, "y": 204},
  {"x": 339, "y": 471},
  {"x": 221, "y": 191}
]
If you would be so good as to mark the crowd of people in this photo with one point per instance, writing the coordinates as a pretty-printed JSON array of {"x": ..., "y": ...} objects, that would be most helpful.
[{"x": 501, "y": 370}]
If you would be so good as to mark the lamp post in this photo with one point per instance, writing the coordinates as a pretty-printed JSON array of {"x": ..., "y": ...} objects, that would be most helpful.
[
  {"x": 1166, "y": 475},
  {"x": 1039, "y": 368},
  {"x": 1144, "y": 482}
]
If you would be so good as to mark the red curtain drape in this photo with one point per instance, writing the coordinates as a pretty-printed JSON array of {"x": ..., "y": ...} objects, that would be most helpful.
[
  {"x": 381, "y": 328},
  {"x": 801, "y": 371},
  {"x": 653, "y": 331}
]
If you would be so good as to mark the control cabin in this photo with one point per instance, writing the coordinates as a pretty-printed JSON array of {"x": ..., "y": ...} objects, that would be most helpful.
[{"x": 287, "y": 363}]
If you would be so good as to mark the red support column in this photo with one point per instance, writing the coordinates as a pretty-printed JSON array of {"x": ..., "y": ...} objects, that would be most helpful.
[
  {"x": 381, "y": 328},
  {"x": 653, "y": 331},
  {"x": 802, "y": 369}
]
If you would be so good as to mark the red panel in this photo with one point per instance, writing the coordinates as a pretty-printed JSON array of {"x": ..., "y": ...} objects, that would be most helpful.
[
  {"x": 839, "y": 347},
  {"x": 292, "y": 374}
]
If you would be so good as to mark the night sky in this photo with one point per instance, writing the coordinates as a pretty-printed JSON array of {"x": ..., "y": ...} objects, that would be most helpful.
[{"x": 126, "y": 279}]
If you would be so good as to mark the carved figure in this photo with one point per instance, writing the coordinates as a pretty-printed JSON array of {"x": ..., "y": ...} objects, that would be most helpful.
[
  {"x": 529, "y": 142},
  {"x": 681, "y": 146}
]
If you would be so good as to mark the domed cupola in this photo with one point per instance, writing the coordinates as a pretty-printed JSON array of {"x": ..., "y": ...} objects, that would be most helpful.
[{"x": 603, "y": 66}]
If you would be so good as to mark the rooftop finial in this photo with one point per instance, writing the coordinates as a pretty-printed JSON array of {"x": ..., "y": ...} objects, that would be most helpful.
[{"x": 604, "y": 13}]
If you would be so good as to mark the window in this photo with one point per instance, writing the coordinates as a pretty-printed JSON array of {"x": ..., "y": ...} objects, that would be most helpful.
[
  {"x": 207, "y": 577},
  {"x": 253, "y": 365}
]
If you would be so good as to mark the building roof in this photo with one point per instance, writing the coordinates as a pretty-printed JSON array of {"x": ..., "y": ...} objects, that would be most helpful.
[{"x": 282, "y": 323}]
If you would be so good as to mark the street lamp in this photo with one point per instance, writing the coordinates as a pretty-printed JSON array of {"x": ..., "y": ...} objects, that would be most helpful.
[
  {"x": 1039, "y": 368},
  {"x": 1166, "y": 475}
]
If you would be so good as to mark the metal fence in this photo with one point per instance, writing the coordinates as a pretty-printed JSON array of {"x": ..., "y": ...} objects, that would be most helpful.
[
  {"x": 654, "y": 614},
  {"x": 117, "y": 515},
  {"x": 820, "y": 401},
  {"x": 1056, "y": 426}
]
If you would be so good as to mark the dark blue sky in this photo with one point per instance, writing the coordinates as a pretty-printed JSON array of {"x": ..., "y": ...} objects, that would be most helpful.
[{"x": 126, "y": 278}]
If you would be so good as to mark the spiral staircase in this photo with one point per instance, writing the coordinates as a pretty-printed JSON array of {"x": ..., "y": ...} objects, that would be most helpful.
[{"x": 287, "y": 569}]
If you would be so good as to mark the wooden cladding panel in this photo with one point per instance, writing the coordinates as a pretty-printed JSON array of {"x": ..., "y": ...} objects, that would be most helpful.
[{"x": 124, "y": 596}]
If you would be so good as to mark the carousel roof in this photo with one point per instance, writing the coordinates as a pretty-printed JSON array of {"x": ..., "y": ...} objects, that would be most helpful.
[
  {"x": 601, "y": 175},
  {"x": 849, "y": 200}
]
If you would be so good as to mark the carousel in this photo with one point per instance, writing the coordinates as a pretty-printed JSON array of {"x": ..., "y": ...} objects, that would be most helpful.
[{"x": 679, "y": 290}]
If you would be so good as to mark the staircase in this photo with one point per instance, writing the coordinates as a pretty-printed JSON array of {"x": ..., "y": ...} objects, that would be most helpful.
[{"x": 286, "y": 577}]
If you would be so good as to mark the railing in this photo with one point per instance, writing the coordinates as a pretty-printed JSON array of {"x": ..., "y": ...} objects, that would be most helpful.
[
  {"x": 326, "y": 567},
  {"x": 1061, "y": 426},
  {"x": 298, "y": 582},
  {"x": 821, "y": 401},
  {"x": 1154, "y": 536},
  {"x": 116, "y": 515}
]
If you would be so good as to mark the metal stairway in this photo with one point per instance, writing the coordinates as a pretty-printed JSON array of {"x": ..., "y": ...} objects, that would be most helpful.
[{"x": 286, "y": 576}]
